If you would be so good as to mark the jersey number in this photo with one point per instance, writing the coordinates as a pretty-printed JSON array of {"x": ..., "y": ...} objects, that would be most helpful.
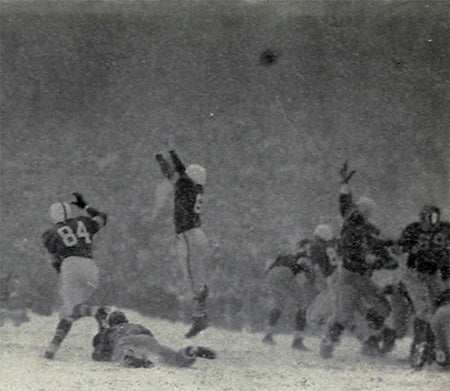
[
  {"x": 70, "y": 238},
  {"x": 198, "y": 204}
]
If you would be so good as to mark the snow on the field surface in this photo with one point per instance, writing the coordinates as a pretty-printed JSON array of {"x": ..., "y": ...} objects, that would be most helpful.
[{"x": 243, "y": 363}]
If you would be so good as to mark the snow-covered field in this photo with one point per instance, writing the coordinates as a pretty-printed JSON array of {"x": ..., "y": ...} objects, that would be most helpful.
[{"x": 244, "y": 363}]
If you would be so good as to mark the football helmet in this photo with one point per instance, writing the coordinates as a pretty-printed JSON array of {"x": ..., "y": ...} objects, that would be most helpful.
[
  {"x": 324, "y": 232},
  {"x": 197, "y": 173},
  {"x": 60, "y": 212},
  {"x": 430, "y": 214}
]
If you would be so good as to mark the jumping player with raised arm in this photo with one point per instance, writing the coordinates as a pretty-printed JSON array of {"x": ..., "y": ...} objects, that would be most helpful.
[
  {"x": 192, "y": 243},
  {"x": 69, "y": 242},
  {"x": 353, "y": 288}
]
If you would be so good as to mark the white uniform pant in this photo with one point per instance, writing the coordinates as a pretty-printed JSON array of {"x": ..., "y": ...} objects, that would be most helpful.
[
  {"x": 423, "y": 289},
  {"x": 192, "y": 253},
  {"x": 78, "y": 280}
]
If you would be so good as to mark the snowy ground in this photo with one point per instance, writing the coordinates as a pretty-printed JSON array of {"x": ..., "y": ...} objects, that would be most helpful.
[{"x": 244, "y": 363}]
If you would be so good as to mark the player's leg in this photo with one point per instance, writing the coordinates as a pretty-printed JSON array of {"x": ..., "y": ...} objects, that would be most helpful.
[
  {"x": 78, "y": 281},
  {"x": 422, "y": 348},
  {"x": 399, "y": 318},
  {"x": 197, "y": 254},
  {"x": 440, "y": 324},
  {"x": 184, "y": 289},
  {"x": 279, "y": 280},
  {"x": 345, "y": 306},
  {"x": 321, "y": 309},
  {"x": 305, "y": 294}
]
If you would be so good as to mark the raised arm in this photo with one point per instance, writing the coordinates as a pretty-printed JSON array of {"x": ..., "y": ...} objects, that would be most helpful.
[
  {"x": 345, "y": 195},
  {"x": 99, "y": 217},
  {"x": 179, "y": 165},
  {"x": 166, "y": 168}
]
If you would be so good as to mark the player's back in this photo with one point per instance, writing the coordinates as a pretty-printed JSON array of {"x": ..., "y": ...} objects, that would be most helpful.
[{"x": 73, "y": 237}]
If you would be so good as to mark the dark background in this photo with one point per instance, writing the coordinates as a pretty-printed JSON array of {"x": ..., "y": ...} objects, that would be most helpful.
[{"x": 89, "y": 92}]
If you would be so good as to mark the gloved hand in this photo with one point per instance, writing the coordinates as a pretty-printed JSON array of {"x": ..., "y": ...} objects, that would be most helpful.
[
  {"x": 79, "y": 201},
  {"x": 345, "y": 175}
]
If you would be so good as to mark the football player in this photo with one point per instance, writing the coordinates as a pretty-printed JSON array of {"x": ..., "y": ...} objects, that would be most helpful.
[
  {"x": 292, "y": 279},
  {"x": 440, "y": 324},
  {"x": 192, "y": 243},
  {"x": 354, "y": 291},
  {"x": 133, "y": 345},
  {"x": 427, "y": 244},
  {"x": 12, "y": 304},
  {"x": 69, "y": 242}
]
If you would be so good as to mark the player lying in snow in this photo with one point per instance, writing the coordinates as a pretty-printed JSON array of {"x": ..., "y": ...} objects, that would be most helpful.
[{"x": 133, "y": 345}]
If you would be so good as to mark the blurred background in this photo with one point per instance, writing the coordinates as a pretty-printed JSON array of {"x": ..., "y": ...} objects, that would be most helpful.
[{"x": 90, "y": 90}]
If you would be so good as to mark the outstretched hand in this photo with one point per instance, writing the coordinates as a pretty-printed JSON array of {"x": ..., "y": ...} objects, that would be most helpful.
[
  {"x": 169, "y": 142},
  {"x": 79, "y": 201},
  {"x": 345, "y": 174}
]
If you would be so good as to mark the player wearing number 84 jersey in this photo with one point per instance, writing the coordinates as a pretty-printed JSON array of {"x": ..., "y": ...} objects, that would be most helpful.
[
  {"x": 69, "y": 242},
  {"x": 192, "y": 244}
]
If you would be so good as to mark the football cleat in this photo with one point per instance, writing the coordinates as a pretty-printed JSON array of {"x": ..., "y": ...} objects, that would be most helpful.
[
  {"x": 298, "y": 344},
  {"x": 199, "y": 324},
  {"x": 326, "y": 348},
  {"x": 442, "y": 358},
  {"x": 203, "y": 352},
  {"x": 268, "y": 339},
  {"x": 418, "y": 355},
  {"x": 370, "y": 347},
  {"x": 388, "y": 341},
  {"x": 51, "y": 350}
]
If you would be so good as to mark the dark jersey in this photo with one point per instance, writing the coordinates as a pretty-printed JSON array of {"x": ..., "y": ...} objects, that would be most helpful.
[
  {"x": 358, "y": 237},
  {"x": 105, "y": 341},
  {"x": 320, "y": 255},
  {"x": 428, "y": 249},
  {"x": 71, "y": 238},
  {"x": 188, "y": 199}
]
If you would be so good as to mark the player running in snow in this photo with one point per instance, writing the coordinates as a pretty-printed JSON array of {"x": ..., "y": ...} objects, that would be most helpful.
[
  {"x": 69, "y": 242},
  {"x": 133, "y": 345},
  {"x": 12, "y": 305},
  {"x": 440, "y": 324},
  {"x": 299, "y": 277},
  {"x": 282, "y": 277},
  {"x": 428, "y": 268},
  {"x": 192, "y": 243}
]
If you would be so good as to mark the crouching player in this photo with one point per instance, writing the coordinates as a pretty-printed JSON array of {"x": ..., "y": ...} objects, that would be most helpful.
[
  {"x": 133, "y": 345},
  {"x": 291, "y": 282},
  {"x": 69, "y": 242}
]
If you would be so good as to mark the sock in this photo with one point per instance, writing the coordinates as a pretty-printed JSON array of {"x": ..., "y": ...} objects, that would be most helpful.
[
  {"x": 61, "y": 332},
  {"x": 300, "y": 320},
  {"x": 335, "y": 331},
  {"x": 200, "y": 302}
]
